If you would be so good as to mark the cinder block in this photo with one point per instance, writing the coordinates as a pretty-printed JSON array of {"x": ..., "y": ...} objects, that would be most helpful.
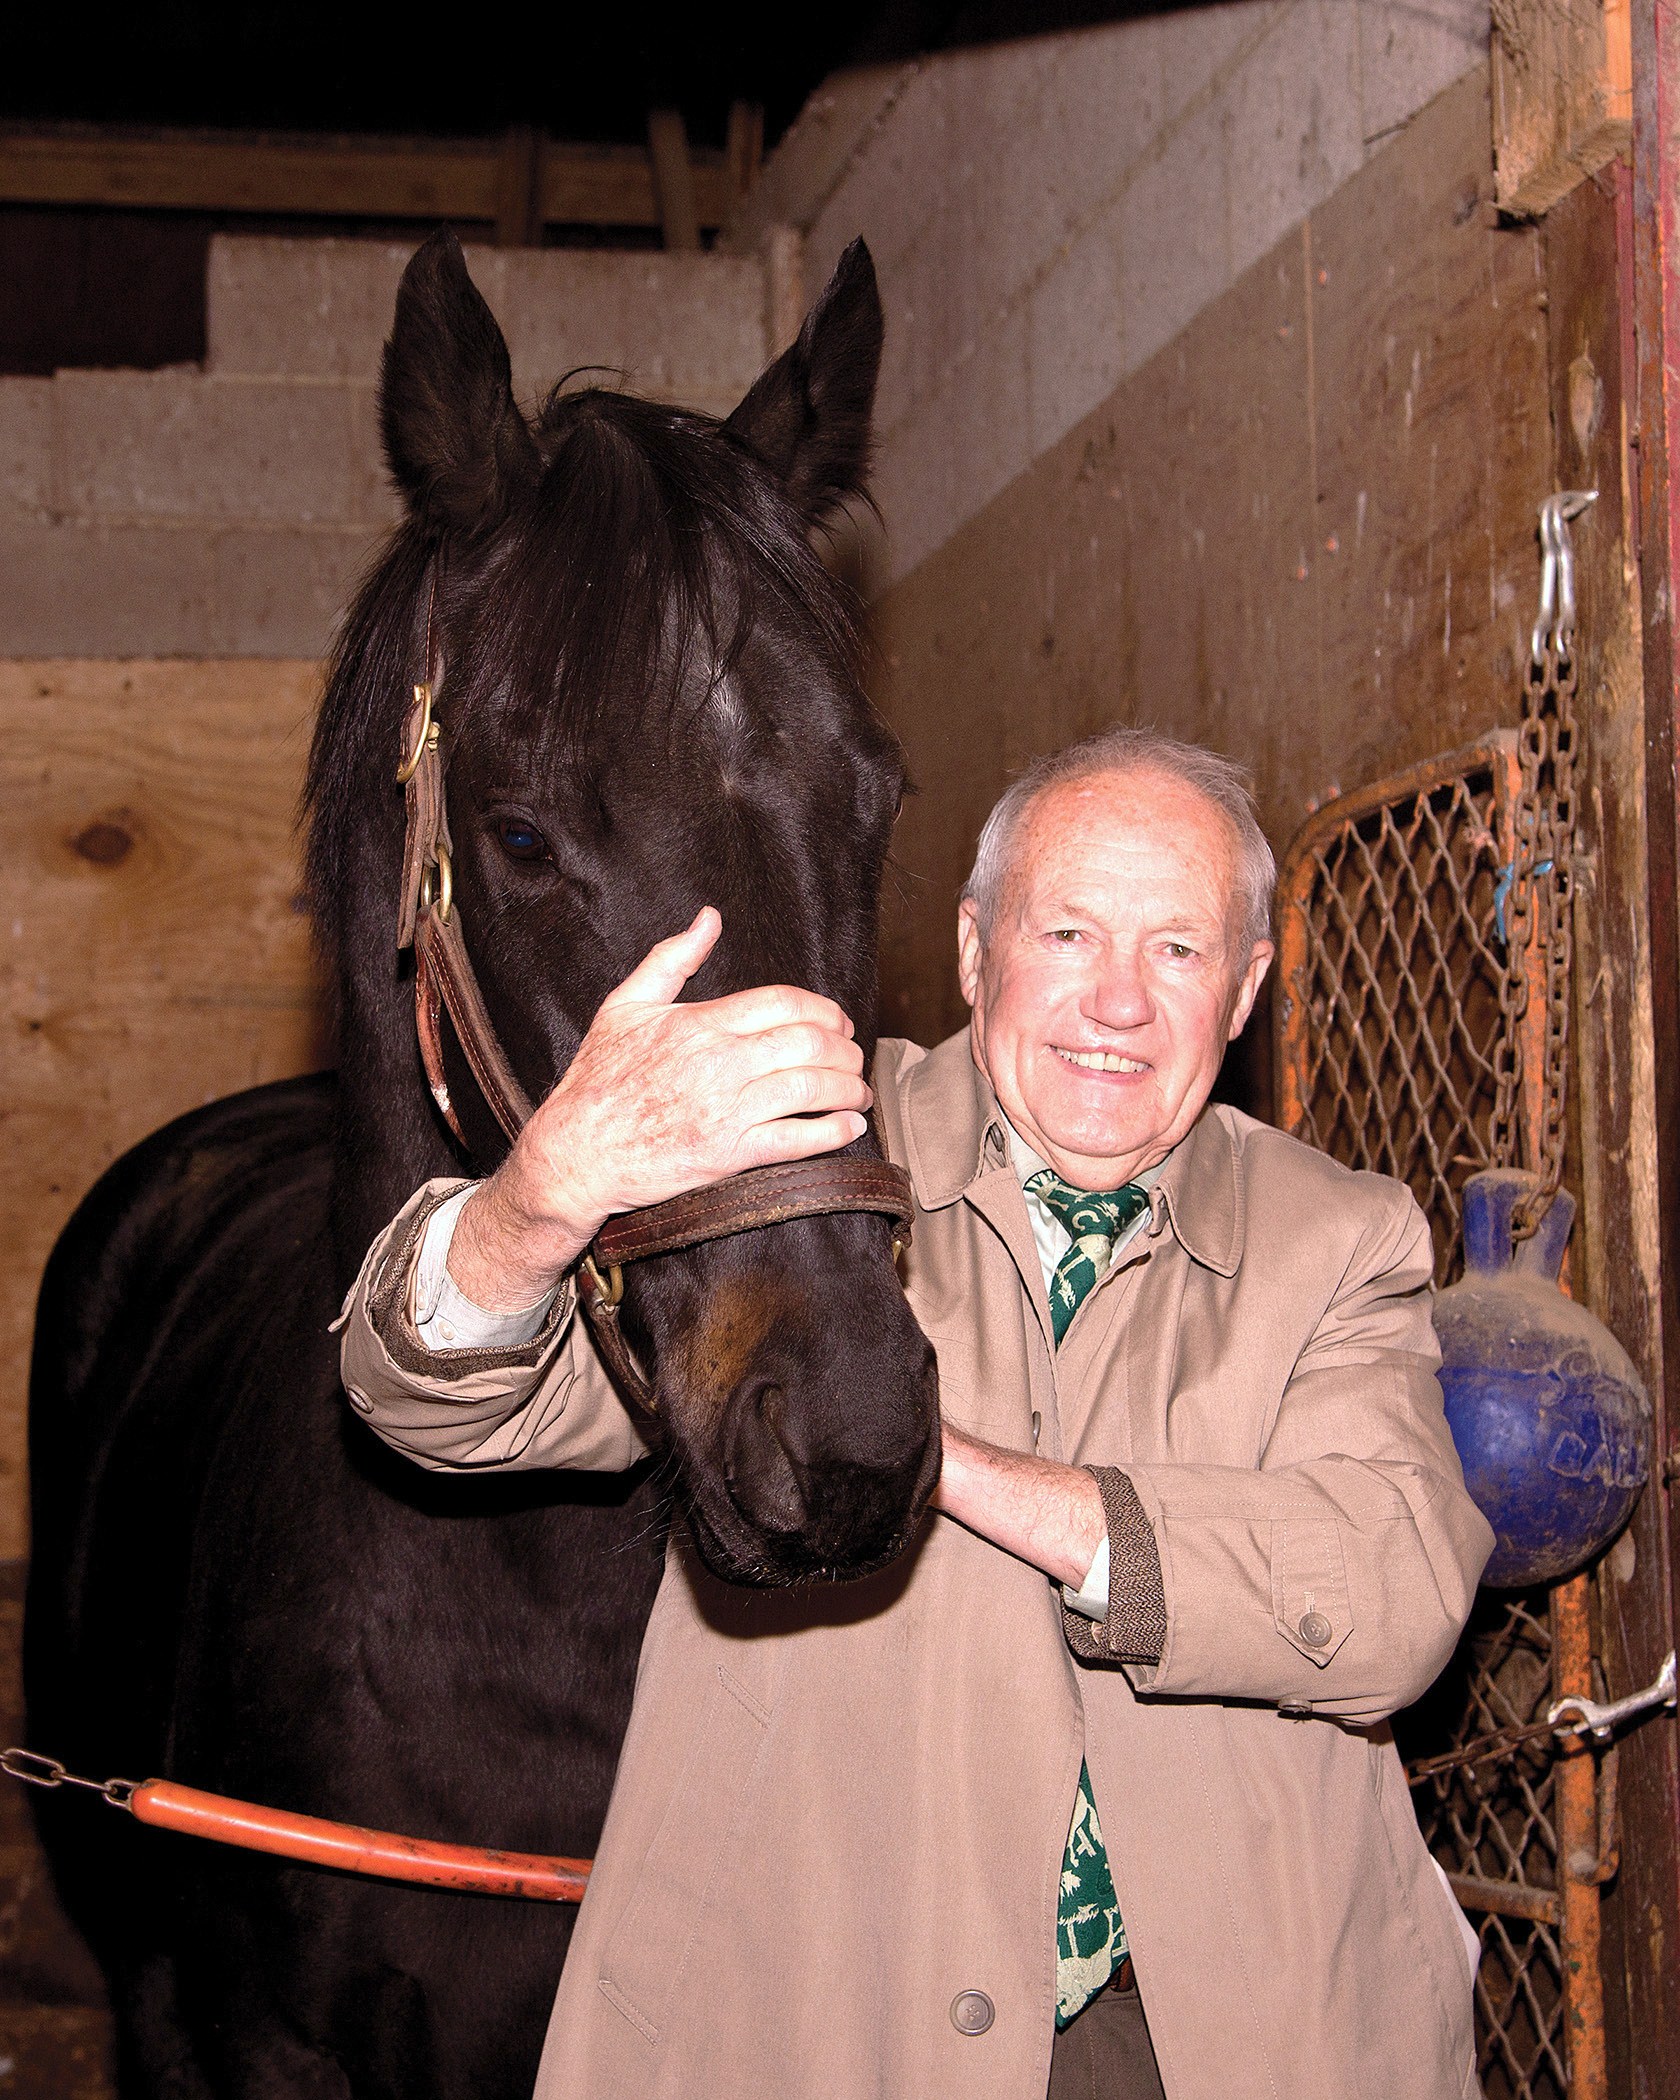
[
  {"x": 322, "y": 309},
  {"x": 1199, "y": 48},
  {"x": 25, "y": 446},
  {"x": 992, "y": 436},
  {"x": 1292, "y": 125},
  {"x": 283, "y": 593},
  {"x": 668, "y": 326},
  {"x": 73, "y": 589},
  {"x": 1172, "y": 234},
  {"x": 900, "y": 175},
  {"x": 132, "y": 445},
  {"x": 1076, "y": 335},
  {"x": 1100, "y": 109},
  {"x": 300, "y": 309},
  {"x": 1408, "y": 54}
]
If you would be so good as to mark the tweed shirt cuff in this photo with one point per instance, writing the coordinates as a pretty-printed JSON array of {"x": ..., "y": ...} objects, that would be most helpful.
[
  {"x": 391, "y": 1312},
  {"x": 1134, "y": 1629}
]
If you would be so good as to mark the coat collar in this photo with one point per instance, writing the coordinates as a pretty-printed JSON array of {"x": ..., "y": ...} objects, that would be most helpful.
[{"x": 955, "y": 1133}]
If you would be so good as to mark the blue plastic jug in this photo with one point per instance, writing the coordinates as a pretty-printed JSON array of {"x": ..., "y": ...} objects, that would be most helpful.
[{"x": 1551, "y": 1421}]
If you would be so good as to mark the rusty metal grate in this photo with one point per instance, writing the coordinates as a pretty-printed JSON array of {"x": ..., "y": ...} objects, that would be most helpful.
[
  {"x": 1497, "y": 1823},
  {"x": 1389, "y": 1027},
  {"x": 1390, "y": 979}
]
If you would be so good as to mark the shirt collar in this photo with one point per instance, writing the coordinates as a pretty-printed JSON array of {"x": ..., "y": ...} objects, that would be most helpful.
[{"x": 955, "y": 1133}]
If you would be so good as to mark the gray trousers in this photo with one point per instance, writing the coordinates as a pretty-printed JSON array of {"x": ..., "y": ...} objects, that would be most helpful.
[{"x": 1105, "y": 2054}]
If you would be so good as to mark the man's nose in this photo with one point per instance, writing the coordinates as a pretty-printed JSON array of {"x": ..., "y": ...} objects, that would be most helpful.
[{"x": 1119, "y": 997}]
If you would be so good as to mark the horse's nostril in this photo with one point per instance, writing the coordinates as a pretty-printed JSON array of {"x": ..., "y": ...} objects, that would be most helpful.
[{"x": 765, "y": 1480}]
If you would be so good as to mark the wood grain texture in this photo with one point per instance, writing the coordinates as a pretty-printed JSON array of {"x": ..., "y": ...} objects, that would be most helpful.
[
  {"x": 1562, "y": 95},
  {"x": 453, "y": 179},
  {"x": 152, "y": 950},
  {"x": 1303, "y": 533}
]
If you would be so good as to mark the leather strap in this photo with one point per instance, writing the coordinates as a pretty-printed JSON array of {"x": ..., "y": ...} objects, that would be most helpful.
[
  {"x": 804, "y": 1188},
  {"x": 429, "y": 920},
  {"x": 441, "y": 959}
]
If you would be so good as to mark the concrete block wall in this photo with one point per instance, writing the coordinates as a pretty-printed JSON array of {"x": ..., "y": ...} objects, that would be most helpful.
[
  {"x": 1047, "y": 214},
  {"x": 229, "y": 510}
]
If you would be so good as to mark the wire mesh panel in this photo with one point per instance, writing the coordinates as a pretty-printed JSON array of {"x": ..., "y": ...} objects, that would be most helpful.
[
  {"x": 1391, "y": 969},
  {"x": 1389, "y": 1024}
]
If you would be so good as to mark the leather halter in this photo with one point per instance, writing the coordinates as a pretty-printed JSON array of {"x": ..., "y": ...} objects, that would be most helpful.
[{"x": 429, "y": 921}]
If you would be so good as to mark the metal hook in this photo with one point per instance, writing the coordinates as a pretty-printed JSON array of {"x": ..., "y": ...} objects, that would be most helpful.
[
  {"x": 1599, "y": 1719},
  {"x": 1556, "y": 624}
]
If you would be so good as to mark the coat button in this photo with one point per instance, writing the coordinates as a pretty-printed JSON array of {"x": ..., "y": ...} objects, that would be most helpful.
[
  {"x": 1314, "y": 1630},
  {"x": 1295, "y": 1709},
  {"x": 972, "y": 2012}
]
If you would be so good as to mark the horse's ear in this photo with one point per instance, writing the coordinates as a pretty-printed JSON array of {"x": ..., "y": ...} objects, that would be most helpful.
[
  {"x": 807, "y": 416},
  {"x": 458, "y": 447}
]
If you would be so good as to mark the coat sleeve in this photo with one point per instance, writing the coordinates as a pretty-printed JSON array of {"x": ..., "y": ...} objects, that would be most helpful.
[
  {"x": 1338, "y": 1575},
  {"x": 546, "y": 1403}
]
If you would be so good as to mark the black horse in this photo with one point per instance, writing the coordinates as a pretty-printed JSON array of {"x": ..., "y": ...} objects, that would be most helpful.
[{"x": 651, "y": 700}]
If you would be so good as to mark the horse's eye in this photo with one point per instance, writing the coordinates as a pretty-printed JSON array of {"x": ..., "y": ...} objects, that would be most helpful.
[{"x": 521, "y": 840}]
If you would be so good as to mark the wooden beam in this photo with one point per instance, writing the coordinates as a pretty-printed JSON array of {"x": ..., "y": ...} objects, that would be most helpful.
[
  {"x": 673, "y": 178},
  {"x": 482, "y": 180},
  {"x": 743, "y": 150},
  {"x": 1562, "y": 96}
]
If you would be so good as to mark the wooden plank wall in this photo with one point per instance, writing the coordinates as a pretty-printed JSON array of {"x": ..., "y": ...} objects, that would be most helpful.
[
  {"x": 152, "y": 953},
  {"x": 1303, "y": 533}
]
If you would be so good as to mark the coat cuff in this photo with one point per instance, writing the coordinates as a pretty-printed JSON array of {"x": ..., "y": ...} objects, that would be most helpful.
[
  {"x": 1134, "y": 1629},
  {"x": 391, "y": 1312}
]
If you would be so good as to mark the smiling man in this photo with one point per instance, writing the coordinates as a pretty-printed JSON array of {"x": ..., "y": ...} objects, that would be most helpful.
[{"x": 959, "y": 1830}]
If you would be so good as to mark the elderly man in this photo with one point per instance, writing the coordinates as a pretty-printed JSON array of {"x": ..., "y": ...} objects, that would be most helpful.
[{"x": 953, "y": 1830}]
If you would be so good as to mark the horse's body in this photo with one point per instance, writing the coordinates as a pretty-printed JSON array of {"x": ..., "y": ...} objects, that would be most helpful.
[{"x": 651, "y": 704}]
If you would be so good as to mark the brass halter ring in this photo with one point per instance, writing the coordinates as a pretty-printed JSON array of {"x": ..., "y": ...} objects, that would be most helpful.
[
  {"x": 609, "y": 1289},
  {"x": 426, "y": 740},
  {"x": 437, "y": 884}
]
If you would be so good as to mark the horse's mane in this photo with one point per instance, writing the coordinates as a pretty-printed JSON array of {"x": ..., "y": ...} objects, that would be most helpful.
[{"x": 649, "y": 549}]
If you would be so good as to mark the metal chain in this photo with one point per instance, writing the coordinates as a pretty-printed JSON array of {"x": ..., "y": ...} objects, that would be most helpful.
[
  {"x": 1557, "y": 898},
  {"x": 1539, "y": 894},
  {"x": 1519, "y": 926}
]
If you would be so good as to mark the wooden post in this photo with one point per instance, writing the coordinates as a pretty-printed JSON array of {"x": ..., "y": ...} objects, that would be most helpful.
[
  {"x": 743, "y": 150},
  {"x": 1562, "y": 96},
  {"x": 519, "y": 189},
  {"x": 784, "y": 285},
  {"x": 673, "y": 178}
]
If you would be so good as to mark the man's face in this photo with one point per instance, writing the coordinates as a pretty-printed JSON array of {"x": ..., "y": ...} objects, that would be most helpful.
[{"x": 1115, "y": 974}]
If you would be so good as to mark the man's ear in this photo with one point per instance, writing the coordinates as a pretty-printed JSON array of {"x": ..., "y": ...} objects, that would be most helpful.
[
  {"x": 807, "y": 416},
  {"x": 458, "y": 448},
  {"x": 1248, "y": 988},
  {"x": 969, "y": 949}
]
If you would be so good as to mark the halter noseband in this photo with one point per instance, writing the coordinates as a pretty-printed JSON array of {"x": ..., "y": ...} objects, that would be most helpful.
[{"x": 429, "y": 921}]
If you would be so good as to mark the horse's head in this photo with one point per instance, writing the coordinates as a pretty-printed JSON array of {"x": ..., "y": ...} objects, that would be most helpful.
[{"x": 650, "y": 700}]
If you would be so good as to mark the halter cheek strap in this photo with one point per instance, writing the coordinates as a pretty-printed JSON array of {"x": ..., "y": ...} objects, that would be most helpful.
[{"x": 429, "y": 921}]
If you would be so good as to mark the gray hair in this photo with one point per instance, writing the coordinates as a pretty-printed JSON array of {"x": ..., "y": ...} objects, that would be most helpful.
[{"x": 1126, "y": 750}]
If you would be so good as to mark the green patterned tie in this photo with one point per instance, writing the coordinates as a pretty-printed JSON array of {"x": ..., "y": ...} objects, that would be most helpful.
[{"x": 1090, "y": 1932}]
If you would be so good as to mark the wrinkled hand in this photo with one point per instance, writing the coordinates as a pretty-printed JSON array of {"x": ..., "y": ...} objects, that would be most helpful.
[{"x": 660, "y": 1099}]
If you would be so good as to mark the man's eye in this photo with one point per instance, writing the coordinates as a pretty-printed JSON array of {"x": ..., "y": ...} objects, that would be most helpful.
[
  {"x": 521, "y": 840},
  {"x": 1066, "y": 935},
  {"x": 1180, "y": 951}
]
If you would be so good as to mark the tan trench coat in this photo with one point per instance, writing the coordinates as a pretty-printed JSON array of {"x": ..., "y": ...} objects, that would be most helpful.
[{"x": 837, "y": 1811}]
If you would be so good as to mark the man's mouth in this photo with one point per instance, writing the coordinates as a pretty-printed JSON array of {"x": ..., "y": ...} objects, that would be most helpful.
[{"x": 1100, "y": 1060}]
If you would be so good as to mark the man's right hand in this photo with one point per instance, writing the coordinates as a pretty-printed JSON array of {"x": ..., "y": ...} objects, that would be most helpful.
[{"x": 660, "y": 1099}]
